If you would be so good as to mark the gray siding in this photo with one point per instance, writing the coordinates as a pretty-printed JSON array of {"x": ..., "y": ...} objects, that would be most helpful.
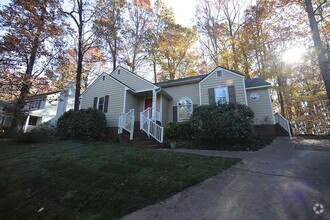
[
  {"x": 133, "y": 102},
  {"x": 102, "y": 88},
  {"x": 133, "y": 81},
  {"x": 227, "y": 79},
  {"x": 177, "y": 92},
  {"x": 262, "y": 108},
  {"x": 165, "y": 111}
]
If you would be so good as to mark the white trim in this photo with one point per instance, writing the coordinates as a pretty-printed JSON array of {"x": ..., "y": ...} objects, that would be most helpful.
[
  {"x": 124, "y": 101},
  {"x": 257, "y": 87},
  {"x": 246, "y": 102},
  {"x": 215, "y": 93},
  {"x": 177, "y": 109},
  {"x": 145, "y": 90},
  {"x": 271, "y": 105},
  {"x": 26, "y": 123},
  {"x": 216, "y": 69},
  {"x": 139, "y": 77},
  {"x": 161, "y": 104}
]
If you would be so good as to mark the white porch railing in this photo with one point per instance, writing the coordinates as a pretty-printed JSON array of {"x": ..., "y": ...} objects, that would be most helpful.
[
  {"x": 283, "y": 122},
  {"x": 149, "y": 125},
  {"x": 126, "y": 122}
]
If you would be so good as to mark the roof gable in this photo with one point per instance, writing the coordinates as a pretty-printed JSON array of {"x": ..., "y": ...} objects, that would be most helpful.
[
  {"x": 104, "y": 74},
  {"x": 132, "y": 80}
]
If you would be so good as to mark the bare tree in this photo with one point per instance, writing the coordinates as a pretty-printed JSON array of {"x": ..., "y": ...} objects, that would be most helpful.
[{"x": 81, "y": 14}]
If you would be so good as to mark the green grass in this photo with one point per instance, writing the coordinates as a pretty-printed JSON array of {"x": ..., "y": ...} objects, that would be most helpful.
[{"x": 84, "y": 180}]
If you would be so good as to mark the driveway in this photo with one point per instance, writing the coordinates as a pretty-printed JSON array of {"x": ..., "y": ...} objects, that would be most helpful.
[{"x": 282, "y": 181}]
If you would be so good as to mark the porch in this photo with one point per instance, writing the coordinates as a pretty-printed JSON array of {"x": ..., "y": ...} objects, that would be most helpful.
[{"x": 145, "y": 109}]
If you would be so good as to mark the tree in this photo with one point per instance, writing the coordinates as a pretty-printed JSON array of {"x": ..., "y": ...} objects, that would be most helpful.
[
  {"x": 176, "y": 57},
  {"x": 323, "y": 60},
  {"x": 219, "y": 24},
  {"x": 108, "y": 24},
  {"x": 162, "y": 17},
  {"x": 31, "y": 40},
  {"x": 65, "y": 69},
  {"x": 136, "y": 28},
  {"x": 81, "y": 14}
]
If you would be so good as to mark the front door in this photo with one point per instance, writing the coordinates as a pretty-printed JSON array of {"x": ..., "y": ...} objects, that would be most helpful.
[{"x": 147, "y": 103}]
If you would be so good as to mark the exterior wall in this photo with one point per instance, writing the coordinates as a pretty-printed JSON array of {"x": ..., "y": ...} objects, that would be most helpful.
[
  {"x": 131, "y": 80},
  {"x": 227, "y": 79},
  {"x": 177, "y": 92},
  {"x": 165, "y": 107},
  {"x": 101, "y": 88},
  {"x": 47, "y": 109},
  {"x": 262, "y": 108},
  {"x": 133, "y": 102}
]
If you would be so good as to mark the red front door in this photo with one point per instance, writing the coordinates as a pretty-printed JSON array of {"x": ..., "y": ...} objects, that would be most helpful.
[{"x": 147, "y": 103}]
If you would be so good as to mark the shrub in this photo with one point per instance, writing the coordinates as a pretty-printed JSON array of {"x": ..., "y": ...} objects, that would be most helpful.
[
  {"x": 178, "y": 130},
  {"x": 36, "y": 135},
  {"x": 85, "y": 123},
  {"x": 221, "y": 123}
]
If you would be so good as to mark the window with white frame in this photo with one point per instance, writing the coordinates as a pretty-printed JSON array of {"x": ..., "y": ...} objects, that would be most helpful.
[
  {"x": 185, "y": 109},
  {"x": 101, "y": 103},
  {"x": 33, "y": 104},
  {"x": 221, "y": 95}
]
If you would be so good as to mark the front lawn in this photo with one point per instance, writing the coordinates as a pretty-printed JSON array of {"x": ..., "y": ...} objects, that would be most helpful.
[{"x": 72, "y": 179}]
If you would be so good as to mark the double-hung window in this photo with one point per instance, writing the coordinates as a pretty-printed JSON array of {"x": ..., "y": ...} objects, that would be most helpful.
[
  {"x": 221, "y": 95},
  {"x": 185, "y": 109},
  {"x": 101, "y": 103}
]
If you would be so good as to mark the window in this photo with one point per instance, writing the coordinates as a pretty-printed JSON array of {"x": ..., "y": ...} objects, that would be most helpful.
[
  {"x": 221, "y": 95},
  {"x": 219, "y": 73},
  {"x": 185, "y": 109},
  {"x": 101, "y": 103},
  {"x": 33, "y": 120},
  {"x": 103, "y": 78},
  {"x": 33, "y": 104}
]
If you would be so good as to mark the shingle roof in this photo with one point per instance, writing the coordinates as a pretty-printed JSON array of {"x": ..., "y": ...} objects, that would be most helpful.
[
  {"x": 255, "y": 82},
  {"x": 249, "y": 83},
  {"x": 187, "y": 80}
]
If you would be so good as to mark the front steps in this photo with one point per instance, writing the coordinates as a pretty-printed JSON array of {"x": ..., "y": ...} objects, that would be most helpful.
[{"x": 140, "y": 138}]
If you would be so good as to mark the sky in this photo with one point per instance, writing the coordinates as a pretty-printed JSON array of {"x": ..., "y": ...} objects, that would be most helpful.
[{"x": 184, "y": 11}]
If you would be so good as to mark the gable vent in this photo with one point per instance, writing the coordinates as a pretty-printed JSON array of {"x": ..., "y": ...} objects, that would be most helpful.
[
  {"x": 118, "y": 71},
  {"x": 219, "y": 73}
]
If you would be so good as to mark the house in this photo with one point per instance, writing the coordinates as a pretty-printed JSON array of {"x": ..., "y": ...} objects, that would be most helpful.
[
  {"x": 42, "y": 108},
  {"x": 6, "y": 114},
  {"x": 129, "y": 100}
]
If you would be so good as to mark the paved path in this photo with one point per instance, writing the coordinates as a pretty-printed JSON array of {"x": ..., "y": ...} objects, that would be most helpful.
[{"x": 283, "y": 181}]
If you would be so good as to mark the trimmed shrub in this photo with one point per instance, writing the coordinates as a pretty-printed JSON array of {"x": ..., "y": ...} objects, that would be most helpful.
[
  {"x": 178, "y": 130},
  {"x": 85, "y": 124},
  {"x": 220, "y": 123}
]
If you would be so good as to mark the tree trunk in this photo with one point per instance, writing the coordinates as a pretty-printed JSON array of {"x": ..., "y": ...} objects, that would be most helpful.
[
  {"x": 80, "y": 57},
  {"x": 323, "y": 62},
  {"x": 155, "y": 70},
  {"x": 27, "y": 81}
]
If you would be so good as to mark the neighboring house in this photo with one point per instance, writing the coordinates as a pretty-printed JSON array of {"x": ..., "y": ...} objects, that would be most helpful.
[
  {"x": 6, "y": 114},
  {"x": 46, "y": 107},
  {"x": 127, "y": 99}
]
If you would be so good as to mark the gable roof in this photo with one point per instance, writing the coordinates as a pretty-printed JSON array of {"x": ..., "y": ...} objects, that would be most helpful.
[
  {"x": 255, "y": 82},
  {"x": 42, "y": 94},
  {"x": 249, "y": 83},
  {"x": 133, "y": 74}
]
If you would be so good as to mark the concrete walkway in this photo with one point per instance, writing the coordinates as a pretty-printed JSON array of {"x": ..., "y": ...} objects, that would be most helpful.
[{"x": 283, "y": 181}]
